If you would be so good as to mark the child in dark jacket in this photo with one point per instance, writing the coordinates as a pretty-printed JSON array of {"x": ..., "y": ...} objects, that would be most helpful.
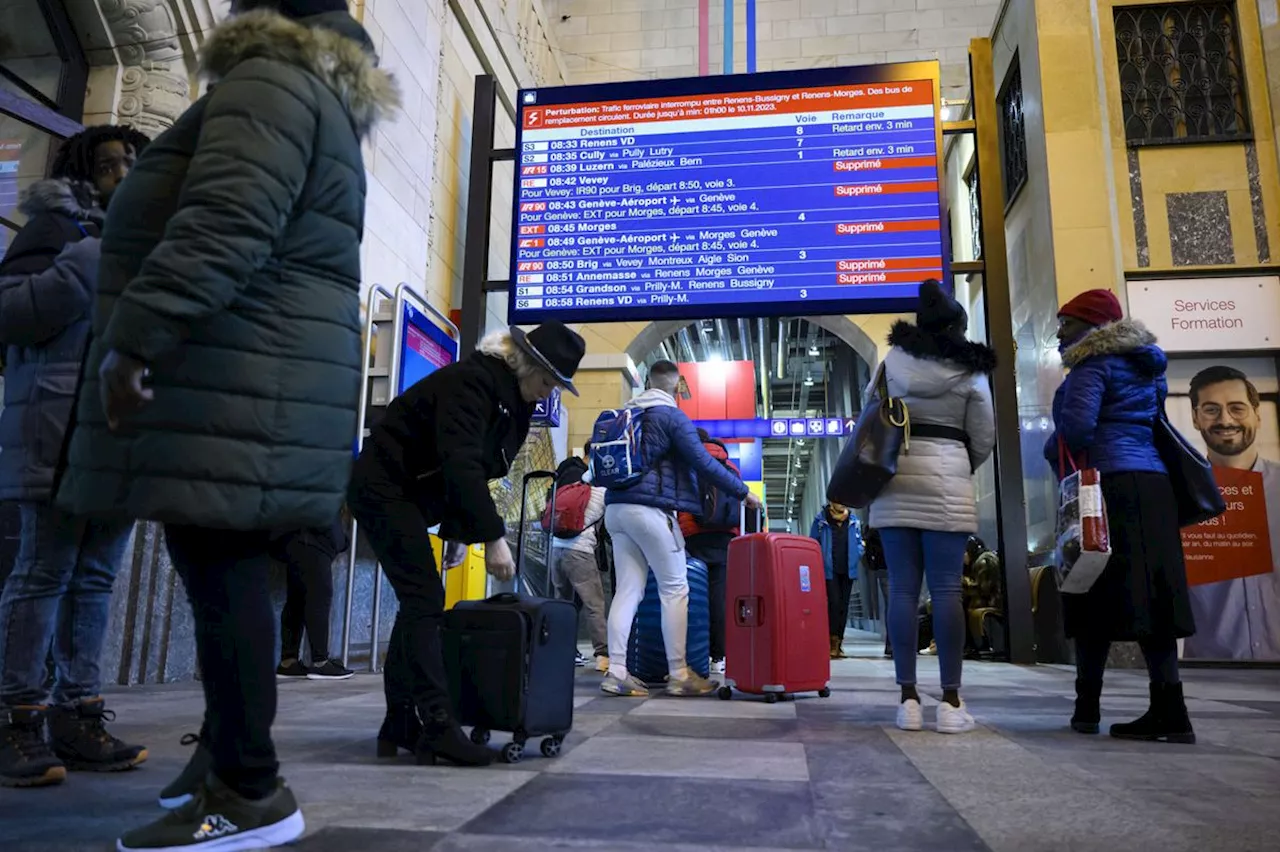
[
  {"x": 711, "y": 547},
  {"x": 308, "y": 556}
]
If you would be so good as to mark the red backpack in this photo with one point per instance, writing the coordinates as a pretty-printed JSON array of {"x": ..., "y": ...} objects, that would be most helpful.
[{"x": 571, "y": 511}]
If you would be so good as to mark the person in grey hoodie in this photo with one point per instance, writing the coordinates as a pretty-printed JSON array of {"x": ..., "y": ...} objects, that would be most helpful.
[
  {"x": 55, "y": 601},
  {"x": 927, "y": 512},
  {"x": 646, "y": 535}
]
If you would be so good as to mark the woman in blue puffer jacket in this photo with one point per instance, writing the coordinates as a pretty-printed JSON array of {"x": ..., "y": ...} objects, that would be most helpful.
[{"x": 1103, "y": 414}]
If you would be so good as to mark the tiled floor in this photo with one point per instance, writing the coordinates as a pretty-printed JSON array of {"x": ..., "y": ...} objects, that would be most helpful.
[{"x": 706, "y": 774}]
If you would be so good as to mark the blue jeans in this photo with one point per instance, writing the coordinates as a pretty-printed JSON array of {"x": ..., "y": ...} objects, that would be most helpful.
[
  {"x": 57, "y": 598},
  {"x": 938, "y": 557}
]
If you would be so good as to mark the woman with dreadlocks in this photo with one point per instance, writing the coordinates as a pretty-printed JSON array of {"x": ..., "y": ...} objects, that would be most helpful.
[{"x": 57, "y": 597}]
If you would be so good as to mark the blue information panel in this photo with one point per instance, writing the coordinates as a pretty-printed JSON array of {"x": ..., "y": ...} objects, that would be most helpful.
[
  {"x": 811, "y": 192},
  {"x": 546, "y": 412},
  {"x": 424, "y": 347},
  {"x": 798, "y": 427}
]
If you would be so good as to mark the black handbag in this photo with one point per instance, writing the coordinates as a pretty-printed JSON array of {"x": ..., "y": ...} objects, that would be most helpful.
[
  {"x": 870, "y": 457},
  {"x": 1190, "y": 474}
]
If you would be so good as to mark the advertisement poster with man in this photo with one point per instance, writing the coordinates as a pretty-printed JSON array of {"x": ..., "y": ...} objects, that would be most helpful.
[{"x": 1229, "y": 408}]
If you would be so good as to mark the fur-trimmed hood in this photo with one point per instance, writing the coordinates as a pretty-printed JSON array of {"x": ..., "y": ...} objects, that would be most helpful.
[
  {"x": 332, "y": 46},
  {"x": 913, "y": 340},
  {"x": 1126, "y": 337},
  {"x": 76, "y": 199}
]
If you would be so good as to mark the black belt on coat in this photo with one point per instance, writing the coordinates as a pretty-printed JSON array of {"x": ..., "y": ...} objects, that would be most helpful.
[{"x": 946, "y": 433}]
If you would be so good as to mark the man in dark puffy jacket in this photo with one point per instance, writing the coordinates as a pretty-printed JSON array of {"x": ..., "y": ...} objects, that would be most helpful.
[
  {"x": 642, "y": 522},
  {"x": 58, "y": 596},
  {"x": 222, "y": 382}
]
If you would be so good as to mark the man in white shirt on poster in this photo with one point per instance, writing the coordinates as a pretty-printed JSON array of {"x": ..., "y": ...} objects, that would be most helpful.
[{"x": 1236, "y": 619}]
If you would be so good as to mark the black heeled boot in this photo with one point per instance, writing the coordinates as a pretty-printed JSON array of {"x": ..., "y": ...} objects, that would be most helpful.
[
  {"x": 1166, "y": 721},
  {"x": 400, "y": 730},
  {"x": 1088, "y": 714},
  {"x": 442, "y": 737}
]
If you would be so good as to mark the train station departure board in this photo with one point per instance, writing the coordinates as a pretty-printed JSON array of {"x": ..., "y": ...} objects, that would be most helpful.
[{"x": 785, "y": 193}]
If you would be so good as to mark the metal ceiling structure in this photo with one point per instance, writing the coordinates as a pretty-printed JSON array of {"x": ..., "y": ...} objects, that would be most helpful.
[{"x": 796, "y": 358}]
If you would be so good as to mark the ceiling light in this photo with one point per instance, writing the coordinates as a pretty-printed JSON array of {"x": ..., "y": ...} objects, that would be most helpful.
[
  {"x": 808, "y": 383},
  {"x": 813, "y": 351}
]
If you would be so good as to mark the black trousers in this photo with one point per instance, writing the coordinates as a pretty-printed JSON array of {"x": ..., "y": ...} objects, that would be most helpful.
[
  {"x": 716, "y": 556},
  {"x": 1160, "y": 655},
  {"x": 838, "y": 589},
  {"x": 226, "y": 575},
  {"x": 308, "y": 599},
  {"x": 414, "y": 672}
]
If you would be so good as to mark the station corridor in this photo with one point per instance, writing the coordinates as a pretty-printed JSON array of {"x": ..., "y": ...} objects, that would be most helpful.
[{"x": 702, "y": 774}]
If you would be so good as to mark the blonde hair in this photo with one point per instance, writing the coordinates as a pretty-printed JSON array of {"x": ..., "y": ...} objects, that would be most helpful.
[{"x": 500, "y": 345}]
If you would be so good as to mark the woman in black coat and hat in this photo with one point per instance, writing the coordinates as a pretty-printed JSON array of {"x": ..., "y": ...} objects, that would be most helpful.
[{"x": 427, "y": 462}]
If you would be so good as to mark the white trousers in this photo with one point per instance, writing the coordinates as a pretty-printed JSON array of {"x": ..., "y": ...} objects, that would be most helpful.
[{"x": 644, "y": 539}]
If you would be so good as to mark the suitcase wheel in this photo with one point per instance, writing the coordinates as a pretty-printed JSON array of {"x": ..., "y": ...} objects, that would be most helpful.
[
  {"x": 825, "y": 692},
  {"x": 479, "y": 736},
  {"x": 771, "y": 698},
  {"x": 551, "y": 746},
  {"x": 512, "y": 752},
  {"x": 725, "y": 693}
]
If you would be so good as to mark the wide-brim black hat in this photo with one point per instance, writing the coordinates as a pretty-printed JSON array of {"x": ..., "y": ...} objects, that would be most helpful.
[{"x": 557, "y": 348}]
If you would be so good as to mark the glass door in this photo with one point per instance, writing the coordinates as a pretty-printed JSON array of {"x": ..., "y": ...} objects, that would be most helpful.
[{"x": 42, "y": 87}]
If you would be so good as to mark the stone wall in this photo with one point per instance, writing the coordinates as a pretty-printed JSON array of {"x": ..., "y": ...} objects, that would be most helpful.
[{"x": 611, "y": 40}]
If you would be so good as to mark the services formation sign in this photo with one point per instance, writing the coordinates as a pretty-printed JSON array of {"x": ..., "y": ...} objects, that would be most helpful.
[{"x": 813, "y": 192}]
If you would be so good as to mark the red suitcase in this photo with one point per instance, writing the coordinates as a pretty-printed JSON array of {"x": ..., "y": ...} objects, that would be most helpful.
[{"x": 776, "y": 638}]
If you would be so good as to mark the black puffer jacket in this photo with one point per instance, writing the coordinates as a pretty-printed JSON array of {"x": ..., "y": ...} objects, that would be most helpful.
[
  {"x": 47, "y": 284},
  {"x": 231, "y": 267},
  {"x": 443, "y": 440}
]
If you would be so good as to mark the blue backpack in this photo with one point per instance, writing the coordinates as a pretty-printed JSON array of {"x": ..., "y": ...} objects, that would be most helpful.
[{"x": 616, "y": 457}]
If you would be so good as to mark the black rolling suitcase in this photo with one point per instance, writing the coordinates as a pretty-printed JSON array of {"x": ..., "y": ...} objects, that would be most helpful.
[{"x": 510, "y": 660}]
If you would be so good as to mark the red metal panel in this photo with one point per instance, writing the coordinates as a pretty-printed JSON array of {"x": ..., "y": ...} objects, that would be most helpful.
[
  {"x": 740, "y": 400},
  {"x": 719, "y": 390}
]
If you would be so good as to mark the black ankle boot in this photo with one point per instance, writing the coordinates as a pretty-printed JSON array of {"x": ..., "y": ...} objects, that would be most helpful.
[
  {"x": 1165, "y": 721},
  {"x": 78, "y": 734},
  {"x": 400, "y": 730},
  {"x": 442, "y": 737},
  {"x": 1088, "y": 714}
]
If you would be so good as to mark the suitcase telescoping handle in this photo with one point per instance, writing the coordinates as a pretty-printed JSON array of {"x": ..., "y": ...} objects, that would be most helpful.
[
  {"x": 742, "y": 522},
  {"x": 534, "y": 476}
]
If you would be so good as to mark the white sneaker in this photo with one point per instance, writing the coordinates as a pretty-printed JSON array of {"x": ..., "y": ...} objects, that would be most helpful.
[
  {"x": 717, "y": 666},
  {"x": 954, "y": 720},
  {"x": 910, "y": 716}
]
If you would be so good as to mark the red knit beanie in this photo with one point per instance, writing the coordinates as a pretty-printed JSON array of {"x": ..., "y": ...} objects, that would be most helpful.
[{"x": 1096, "y": 307}]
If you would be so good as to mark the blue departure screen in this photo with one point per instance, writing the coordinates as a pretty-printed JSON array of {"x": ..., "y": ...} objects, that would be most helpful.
[
  {"x": 424, "y": 348},
  {"x": 812, "y": 192}
]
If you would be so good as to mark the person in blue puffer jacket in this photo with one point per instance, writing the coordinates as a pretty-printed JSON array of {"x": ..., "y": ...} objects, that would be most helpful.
[
  {"x": 1104, "y": 415},
  {"x": 642, "y": 522},
  {"x": 839, "y": 533}
]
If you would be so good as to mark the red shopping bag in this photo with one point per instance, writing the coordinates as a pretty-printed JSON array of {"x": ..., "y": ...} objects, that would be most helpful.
[{"x": 1084, "y": 537}]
